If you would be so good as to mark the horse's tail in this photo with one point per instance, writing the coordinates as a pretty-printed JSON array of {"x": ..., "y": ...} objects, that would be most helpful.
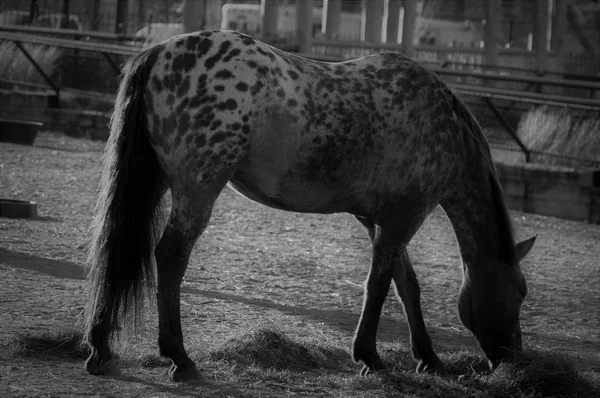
[{"x": 124, "y": 227}]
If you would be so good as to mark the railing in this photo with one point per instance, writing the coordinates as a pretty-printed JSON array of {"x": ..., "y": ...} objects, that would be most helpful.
[
  {"x": 487, "y": 93},
  {"x": 74, "y": 34}
]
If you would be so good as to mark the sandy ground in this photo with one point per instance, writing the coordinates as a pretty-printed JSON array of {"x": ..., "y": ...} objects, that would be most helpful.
[{"x": 259, "y": 266}]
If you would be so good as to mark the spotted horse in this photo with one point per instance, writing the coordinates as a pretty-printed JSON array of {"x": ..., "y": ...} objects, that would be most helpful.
[{"x": 378, "y": 137}]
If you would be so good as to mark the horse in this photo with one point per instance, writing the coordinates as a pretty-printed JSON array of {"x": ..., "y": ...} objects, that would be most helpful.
[{"x": 379, "y": 137}]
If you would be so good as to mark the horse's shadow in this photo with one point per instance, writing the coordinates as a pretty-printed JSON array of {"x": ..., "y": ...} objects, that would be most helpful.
[
  {"x": 390, "y": 328},
  {"x": 56, "y": 268}
]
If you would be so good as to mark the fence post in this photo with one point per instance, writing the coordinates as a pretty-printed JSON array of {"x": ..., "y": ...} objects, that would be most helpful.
[
  {"x": 121, "y": 22},
  {"x": 540, "y": 34},
  {"x": 332, "y": 18},
  {"x": 270, "y": 16},
  {"x": 304, "y": 25},
  {"x": 408, "y": 26},
  {"x": 490, "y": 33}
]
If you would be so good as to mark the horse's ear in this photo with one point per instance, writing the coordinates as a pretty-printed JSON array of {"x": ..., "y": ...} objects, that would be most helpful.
[{"x": 524, "y": 247}]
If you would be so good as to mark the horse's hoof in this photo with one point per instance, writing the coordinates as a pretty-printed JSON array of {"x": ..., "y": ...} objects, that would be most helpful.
[
  {"x": 436, "y": 367},
  {"x": 185, "y": 373},
  {"x": 108, "y": 368},
  {"x": 371, "y": 363}
]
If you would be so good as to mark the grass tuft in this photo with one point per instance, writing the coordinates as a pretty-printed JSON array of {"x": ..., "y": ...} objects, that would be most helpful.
[
  {"x": 271, "y": 349},
  {"x": 63, "y": 344},
  {"x": 153, "y": 361},
  {"x": 562, "y": 131}
]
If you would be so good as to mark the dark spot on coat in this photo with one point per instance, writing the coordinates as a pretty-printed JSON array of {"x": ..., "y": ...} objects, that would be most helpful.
[
  {"x": 156, "y": 84},
  {"x": 292, "y": 102},
  {"x": 224, "y": 74},
  {"x": 184, "y": 124},
  {"x": 233, "y": 53},
  {"x": 216, "y": 124},
  {"x": 216, "y": 138},
  {"x": 182, "y": 105},
  {"x": 184, "y": 87},
  {"x": 241, "y": 86},
  {"x": 170, "y": 99},
  {"x": 200, "y": 140},
  {"x": 211, "y": 61},
  {"x": 293, "y": 74},
  {"x": 230, "y": 104},
  {"x": 203, "y": 47},
  {"x": 280, "y": 93},
  {"x": 192, "y": 42},
  {"x": 185, "y": 61},
  {"x": 265, "y": 54},
  {"x": 168, "y": 55},
  {"x": 257, "y": 87}
]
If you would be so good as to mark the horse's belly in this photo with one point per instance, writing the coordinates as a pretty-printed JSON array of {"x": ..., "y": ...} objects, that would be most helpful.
[{"x": 283, "y": 192}]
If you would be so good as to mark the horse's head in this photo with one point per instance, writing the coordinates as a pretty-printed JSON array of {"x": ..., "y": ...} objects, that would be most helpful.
[{"x": 489, "y": 303}]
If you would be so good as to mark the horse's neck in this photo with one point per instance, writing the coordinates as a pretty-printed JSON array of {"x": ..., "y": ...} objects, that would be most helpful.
[{"x": 476, "y": 218}]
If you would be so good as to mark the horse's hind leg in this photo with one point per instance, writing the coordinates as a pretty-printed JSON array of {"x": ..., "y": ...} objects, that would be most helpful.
[
  {"x": 376, "y": 289},
  {"x": 189, "y": 217},
  {"x": 407, "y": 288}
]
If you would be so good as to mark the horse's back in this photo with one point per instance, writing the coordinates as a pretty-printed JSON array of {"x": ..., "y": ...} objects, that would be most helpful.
[{"x": 298, "y": 134}]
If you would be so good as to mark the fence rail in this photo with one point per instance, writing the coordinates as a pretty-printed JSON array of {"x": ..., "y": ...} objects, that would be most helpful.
[{"x": 485, "y": 93}]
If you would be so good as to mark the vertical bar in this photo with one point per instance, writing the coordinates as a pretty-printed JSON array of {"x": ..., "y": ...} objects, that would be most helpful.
[
  {"x": 559, "y": 32},
  {"x": 408, "y": 26},
  {"x": 270, "y": 18},
  {"x": 541, "y": 35},
  {"x": 96, "y": 15},
  {"x": 304, "y": 25},
  {"x": 393, "y": 22},
  {"x": 332, "y": 18},
  {"x": 373, "y": 20},
  {"x": 193, "y": 15},
  {"x": 490, "y": 33},
  {"x": 33, "y": 9},
  {"x": 64, "y": 22},
  {"x": 121, "y": 21}
]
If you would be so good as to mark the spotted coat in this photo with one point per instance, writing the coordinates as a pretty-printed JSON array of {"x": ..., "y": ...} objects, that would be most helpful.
[{"x": 298, "y": 134}]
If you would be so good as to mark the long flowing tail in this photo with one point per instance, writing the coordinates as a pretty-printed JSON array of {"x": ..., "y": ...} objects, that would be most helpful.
[{"x": 124, "y": 227}]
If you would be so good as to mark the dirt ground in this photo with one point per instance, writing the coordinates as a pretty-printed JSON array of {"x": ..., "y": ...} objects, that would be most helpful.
[{"x": 255, "y": 266}]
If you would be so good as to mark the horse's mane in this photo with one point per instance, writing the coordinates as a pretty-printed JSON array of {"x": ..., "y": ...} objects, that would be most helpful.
[{"x": 508, "y": 251}]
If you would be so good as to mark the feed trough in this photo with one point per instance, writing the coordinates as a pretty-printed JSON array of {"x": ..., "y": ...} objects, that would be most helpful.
[
  {"x": 19, "y": 131},
  {"x": 11, "y": 208}
]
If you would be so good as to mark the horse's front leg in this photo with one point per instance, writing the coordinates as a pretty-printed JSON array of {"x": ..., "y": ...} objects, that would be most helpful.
[
  {"x": 407, "y": 288},
  {"x": 172, "y": 256},
  {"x": 377, "y": 285}
]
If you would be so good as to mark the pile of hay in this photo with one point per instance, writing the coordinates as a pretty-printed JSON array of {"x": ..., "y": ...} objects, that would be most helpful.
[
  {"x": 271, "y": 349},
  {"x": 562, "y": 131}
]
